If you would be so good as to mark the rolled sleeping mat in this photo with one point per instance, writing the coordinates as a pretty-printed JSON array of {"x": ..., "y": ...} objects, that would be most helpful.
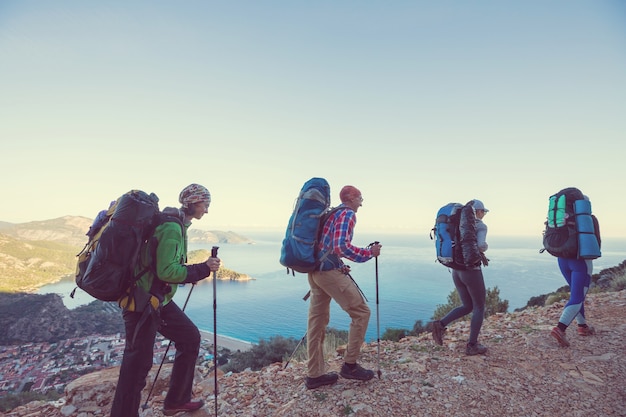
[{"x": 588, "y": 245}]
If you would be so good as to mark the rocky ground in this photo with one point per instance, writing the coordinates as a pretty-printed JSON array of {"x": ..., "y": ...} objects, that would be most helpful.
[{"x": 524, "y": 373}]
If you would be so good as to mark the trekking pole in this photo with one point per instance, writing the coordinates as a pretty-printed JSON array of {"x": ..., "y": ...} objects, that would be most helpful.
[
  {"x": 294, "y": 351},
  {"x": 145, "y": 405},
  {"x": 306, "y": 297},
  {"x": 214, "y": 255},
  {"x": 377, "y": 312}
]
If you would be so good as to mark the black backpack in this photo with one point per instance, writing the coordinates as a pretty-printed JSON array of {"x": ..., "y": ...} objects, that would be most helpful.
[
  {"x": 106, "y": 266},
  {"x": 571, "y": 231}
]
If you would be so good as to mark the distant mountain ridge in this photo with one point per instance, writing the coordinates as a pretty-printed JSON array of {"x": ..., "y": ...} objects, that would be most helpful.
[
  {"x": 37, "y": 253},
  {"x": 71, "y": 230}
]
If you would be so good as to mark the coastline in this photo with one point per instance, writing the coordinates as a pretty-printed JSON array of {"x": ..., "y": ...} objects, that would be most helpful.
[{"x": 225, "y": 342}]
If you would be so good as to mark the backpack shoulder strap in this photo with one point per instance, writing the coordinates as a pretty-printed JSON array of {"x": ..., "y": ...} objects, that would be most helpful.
[
  {"x": 325, "y": 218},
  {"x": 165, "y": 216}
]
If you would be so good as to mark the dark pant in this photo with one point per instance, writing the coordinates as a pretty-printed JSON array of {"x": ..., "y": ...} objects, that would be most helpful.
[
  {"x": 138, "y": 355},
  {"x": 471, "y": 288}
]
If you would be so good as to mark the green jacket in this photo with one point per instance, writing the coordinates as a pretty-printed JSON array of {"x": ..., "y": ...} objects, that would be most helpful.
[{"x": 169, "y": 246}]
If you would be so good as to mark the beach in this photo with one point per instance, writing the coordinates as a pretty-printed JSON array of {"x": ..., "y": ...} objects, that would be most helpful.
[{"x": 229, "y": 343}]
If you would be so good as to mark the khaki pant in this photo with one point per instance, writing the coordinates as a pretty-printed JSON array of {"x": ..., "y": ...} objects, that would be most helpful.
[{"x": 327, "y": 285}]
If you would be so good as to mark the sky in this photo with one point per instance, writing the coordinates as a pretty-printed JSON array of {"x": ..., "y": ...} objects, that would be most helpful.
[{"x": 416, "y": 103}]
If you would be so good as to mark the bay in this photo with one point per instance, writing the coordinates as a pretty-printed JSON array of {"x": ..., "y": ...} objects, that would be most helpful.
[{"x": 411, "y": 284}]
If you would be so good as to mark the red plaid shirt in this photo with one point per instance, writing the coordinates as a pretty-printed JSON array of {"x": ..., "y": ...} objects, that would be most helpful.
[{"x": 337, "y": 237}]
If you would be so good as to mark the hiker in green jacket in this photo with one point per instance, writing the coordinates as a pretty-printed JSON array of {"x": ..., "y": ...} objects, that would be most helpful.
[{"x": 150, "y": 309}]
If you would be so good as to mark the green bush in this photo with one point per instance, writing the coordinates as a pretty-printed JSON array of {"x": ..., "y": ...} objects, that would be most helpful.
[
  {"x": 556, "y": 297},
  {"x": 442, "y": 309},
  {"x": 619, "y": 282},
  {"x": 10, "y": 401},
  {"x": 493, "y": 303},
  {"x": 262, "y": 354},
  {"x": 395, "y": 334},
  {"x": 419, "y": 327},
  {"x": 280, "y": 349}
]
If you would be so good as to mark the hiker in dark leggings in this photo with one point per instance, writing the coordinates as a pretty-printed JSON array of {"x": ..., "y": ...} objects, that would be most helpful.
[
  {"x": 470, "y": 285},
  {"x": 471, "y": 288},
  {"x": 149, "y": 309},
  {"x": 577, "y": 273}
]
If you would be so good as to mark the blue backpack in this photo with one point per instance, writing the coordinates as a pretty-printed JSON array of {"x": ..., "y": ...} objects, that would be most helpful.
[
  {"x": 456, "y": 247},
  {"x": 299, "y": 247}
]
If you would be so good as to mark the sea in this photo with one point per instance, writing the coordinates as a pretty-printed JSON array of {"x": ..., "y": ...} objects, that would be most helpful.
[{"x": 405, "y": 284}]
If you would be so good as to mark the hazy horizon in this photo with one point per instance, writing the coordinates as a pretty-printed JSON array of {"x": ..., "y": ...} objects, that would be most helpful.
[{"x": 416, "y": 103}]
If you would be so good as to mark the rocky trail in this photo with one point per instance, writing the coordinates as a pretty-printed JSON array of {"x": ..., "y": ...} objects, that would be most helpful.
[{"x": 524, "y": 374}]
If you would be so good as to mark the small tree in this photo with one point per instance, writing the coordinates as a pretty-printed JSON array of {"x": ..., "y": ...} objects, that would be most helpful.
[
  {"x": 394, "y": 334},
  {"x": 262, "y": 354},
  {"x": 279, "y": 349},
  {"x": 493, "y": 303},
  {"x": 419, "y": 327},
  {"x": 454, "y": 301}
]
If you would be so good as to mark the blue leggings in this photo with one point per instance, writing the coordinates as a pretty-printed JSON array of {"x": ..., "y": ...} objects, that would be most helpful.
[
  {"x": 577, "y": 273},
  {"x": 471, "y": 288}
]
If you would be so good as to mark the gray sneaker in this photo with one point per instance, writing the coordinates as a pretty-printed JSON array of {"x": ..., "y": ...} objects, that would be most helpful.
[{"x": 476, "y": 349}]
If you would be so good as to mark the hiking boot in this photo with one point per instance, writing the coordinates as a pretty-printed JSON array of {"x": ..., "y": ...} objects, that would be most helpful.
[
  {"x": 358, "y": 372},
  {"x": 190, "y": 406},
  {"x": 438, "y": 330},
  {"x": 476, "y": 349},
  {"x": 586, "y": 330},
  {"x": 559, "y": 335},
  {"x": 326, "y": 379}
]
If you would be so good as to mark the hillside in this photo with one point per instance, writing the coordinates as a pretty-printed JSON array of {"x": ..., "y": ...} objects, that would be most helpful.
[
  {"x": 37, "y": 253},
  {"x": 524, "y": 374},
  {"x": 70, "y": 230},
  {"x": 28, "y": 265},
  {"x": 33, "y": 318}
]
